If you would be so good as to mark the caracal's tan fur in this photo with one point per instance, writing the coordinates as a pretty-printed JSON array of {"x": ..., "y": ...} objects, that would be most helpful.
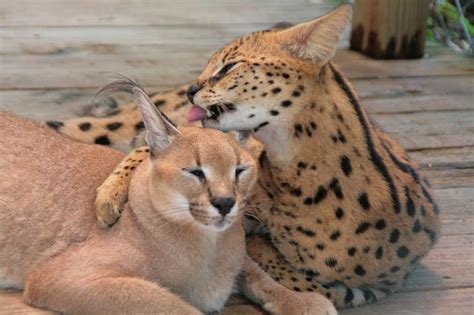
[{"x": 162, "y": 257}]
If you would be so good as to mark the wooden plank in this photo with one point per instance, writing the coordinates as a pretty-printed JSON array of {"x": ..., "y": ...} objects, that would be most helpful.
[
  {"x": 451, "y": 177},
  {"x": 429, "y": 129},
  {"x": 163, "y": 12},
  {"x": 445, "y": 267},
  {"x": 453, "y": 302},
  {"x": 11, "y": 303},
  {"x": 370, "y": 68},
  {"x": 423, "y": 103},
  {"x": 174, "y": 64},
  {"x": 444, "y": 158},
  {"x": 457, "y": 208},
  {"x": 118, "y": 40},
  {"x": 414, "y": 87}
]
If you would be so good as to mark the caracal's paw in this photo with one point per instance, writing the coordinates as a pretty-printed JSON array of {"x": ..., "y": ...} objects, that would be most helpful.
[
  {"x": 301, "y": 303},
  {"x": 110, "y": 201}
]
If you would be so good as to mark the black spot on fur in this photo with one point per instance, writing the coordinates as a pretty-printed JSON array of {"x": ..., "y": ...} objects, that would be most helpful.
[
  {"x": 298, "y": 130},
  {"x": 296, "y": 192},
  {"x": 276, "y": 90},
  {"x": 335, "y": 235},
  {"x": 302, "y": 165},
  {"x": 85, "y": 126},
  {"x": 394, "y": 269},
  {"x": 394, "y": 236},
  {"x": 305, "y": 231},
  {"x": 341, "y": 136},
  {"x": 364, "y": 201},
  {"x": 362, "y": 227},
  {"x": 330, "y": 262},
  {"x": 359, "y": 270},
  {"x": 296, "y": 93},
  {"x": 320, "y": 246},
  {"x": 286, "y": 103},
  {"x": 403, "y": 251},
  {"x": 380, "y": 224},
  {"x": 416, "y": 227},
  {"x": 351, "y": 251},
  {"x": 339, "y": 213},
  {"x": 103, "y": 140},
  {"x": 336, "y": 188},
  {"x": 320, "y": 194},
  {"x": 274, "y": 112},
  {"x": 285, "y": 75},
  {"x": 114, "y": 126},
  {"x": 379, "y": 252},
  {"x": 346, "y": 165}
]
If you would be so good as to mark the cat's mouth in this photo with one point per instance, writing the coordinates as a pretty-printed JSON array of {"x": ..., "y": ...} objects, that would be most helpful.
[{"x": 210, "y": 112}]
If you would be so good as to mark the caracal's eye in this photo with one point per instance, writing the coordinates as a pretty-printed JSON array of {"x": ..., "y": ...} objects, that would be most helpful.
[
  {"x": 198, "y": 173},
  {"x": 239, "y": 170}
]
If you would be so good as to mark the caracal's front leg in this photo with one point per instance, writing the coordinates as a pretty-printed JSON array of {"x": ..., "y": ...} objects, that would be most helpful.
[
  {"x": 99, "y": 291},
  {"x": 259, "y": 287},
  {"x": 113, "y": 193}
]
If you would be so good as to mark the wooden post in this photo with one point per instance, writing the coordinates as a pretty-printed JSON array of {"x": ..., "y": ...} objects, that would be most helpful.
[{"x": 390, "y": 29}]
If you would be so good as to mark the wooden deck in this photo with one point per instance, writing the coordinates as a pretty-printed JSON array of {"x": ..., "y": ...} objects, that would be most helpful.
[{"x": 54, "y": 55}]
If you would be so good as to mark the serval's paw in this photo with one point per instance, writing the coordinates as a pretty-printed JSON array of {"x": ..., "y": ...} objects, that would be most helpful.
[
  {"x": 113, "y": 193},
  {"x": 110, "y": 201},
  {"x": 301, "y": 303}
]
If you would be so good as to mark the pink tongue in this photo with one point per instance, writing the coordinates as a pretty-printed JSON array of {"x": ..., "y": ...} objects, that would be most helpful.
[{"x": 195, "y": 113}]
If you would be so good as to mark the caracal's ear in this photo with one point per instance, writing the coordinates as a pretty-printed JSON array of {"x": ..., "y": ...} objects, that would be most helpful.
[
  {"x": 159, "y": 129},
  {"x": 316, "y": 40}
]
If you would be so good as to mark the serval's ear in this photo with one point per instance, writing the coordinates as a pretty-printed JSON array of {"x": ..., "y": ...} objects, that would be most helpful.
[
  {"x": 159, "y": 128},
  {"x": 315, "y": 40}
]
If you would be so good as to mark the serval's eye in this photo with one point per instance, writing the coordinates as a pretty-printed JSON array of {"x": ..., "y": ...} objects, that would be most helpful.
[
  {"x": 226, "y": 68},
  {"x": 197, "y": 172}
]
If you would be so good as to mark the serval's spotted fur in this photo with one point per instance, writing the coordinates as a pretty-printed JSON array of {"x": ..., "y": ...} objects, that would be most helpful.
[{"x": 346, "y": 213}]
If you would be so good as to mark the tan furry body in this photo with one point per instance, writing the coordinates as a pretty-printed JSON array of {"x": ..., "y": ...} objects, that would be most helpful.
[
  {"x": 151, "y": 262},
  {"x": 346, "y": 212},
  {"x": 52, "y": 247}
]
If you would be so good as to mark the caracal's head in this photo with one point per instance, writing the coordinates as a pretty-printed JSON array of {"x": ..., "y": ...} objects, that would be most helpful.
[
  {"x": 256, "y": 79},
  {"x": 199, "y": 176}
]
